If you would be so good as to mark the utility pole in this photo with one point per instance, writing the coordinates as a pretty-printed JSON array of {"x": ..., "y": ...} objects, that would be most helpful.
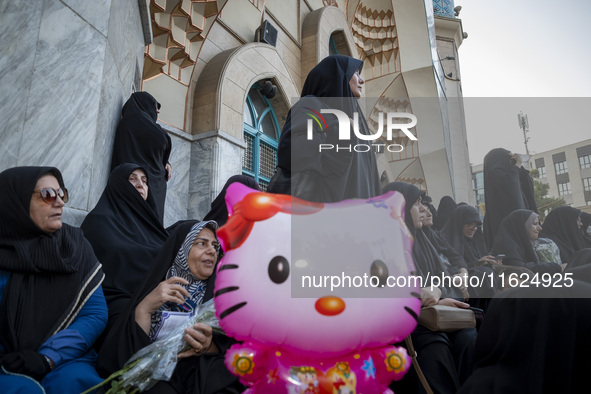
[{"x": 524, "y": 125}]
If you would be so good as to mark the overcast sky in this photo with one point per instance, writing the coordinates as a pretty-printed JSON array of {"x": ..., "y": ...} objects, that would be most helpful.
[{"x": 530, "y": 56}]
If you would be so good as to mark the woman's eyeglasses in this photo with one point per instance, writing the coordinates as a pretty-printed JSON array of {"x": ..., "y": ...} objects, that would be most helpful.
[{"x": 49, "y": 195}]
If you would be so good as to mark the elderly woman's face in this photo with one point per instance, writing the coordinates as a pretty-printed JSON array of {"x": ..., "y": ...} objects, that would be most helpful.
[
  {"x": 47, "y": 216},
  {"x": 418, "y": 212},
  {"x": 534, "y": 229},
  {"x": 203, "y": 254},
  {"x": 139, "y": 180}
]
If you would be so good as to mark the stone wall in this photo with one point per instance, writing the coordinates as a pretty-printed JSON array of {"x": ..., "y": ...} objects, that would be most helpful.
[{"x": 66, "y": 68}]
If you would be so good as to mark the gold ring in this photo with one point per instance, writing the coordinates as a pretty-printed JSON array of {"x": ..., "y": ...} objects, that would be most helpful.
[{"x": 196, "y": 350}]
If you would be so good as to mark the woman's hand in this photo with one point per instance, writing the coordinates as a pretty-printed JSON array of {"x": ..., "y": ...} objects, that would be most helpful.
[
  {"x": 490, "y": 260},
  {"x": 167, "y": 291},
  {"x": 454, "y": 303},
  {"x": 199, "y": 337},
  {"x": 463, "y": 274},
  {"x": 430, "y": 296}
]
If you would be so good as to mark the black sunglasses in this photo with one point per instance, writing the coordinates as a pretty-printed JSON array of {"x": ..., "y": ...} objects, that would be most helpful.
[{"x": 49, "y": 195}]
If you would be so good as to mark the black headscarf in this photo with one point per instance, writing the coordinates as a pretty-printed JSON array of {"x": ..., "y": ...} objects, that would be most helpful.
[
  {"x": 472, "y": 249},
  {"x": 125, "y": 234},
  {"x": 445, "y": 208},
  {"x": 506, "y": 188},
  {"x": 127, "y": 337},
  {"x": 561, "y": 227},
  {"x": 534, "y": 345},
  {"x": 337, "y": 175},
  {"x": 424, "y": 253},
  {"x": 52, "y": 274},
  {"x": 513, "y": 241},
  {"x": 219, "y": 209},
  {"x": 139, "y": 139}
]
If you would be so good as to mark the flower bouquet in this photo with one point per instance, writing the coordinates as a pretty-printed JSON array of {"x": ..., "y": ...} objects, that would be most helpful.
[{"x": 158, "y": 360}]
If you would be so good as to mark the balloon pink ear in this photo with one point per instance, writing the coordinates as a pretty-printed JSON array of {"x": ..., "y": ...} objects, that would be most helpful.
[
  {"x": 395, "y": 201},
  {"x": 236, "y": 192}
]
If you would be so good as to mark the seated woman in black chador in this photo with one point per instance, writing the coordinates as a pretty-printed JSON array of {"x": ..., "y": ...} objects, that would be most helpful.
[
  {"x": 534, "y": 340},
  {"x": 139, "y": 139},
  {"x": 563, "y": 226},
  {"x": 515, "y": 239},
  {"x": 445, "y": 208},
  {"x": 181, "y": 278},
  {"x": 463, "y": 231},
  {"x": 507, "y": 187},
  {"x": 125, "y": 233},
  {"x": 445, "y": 358},
  {"x": 450, "y": 256},
  {"x": 219, "y": 208},
  {"x": 52, "y": 305},
  {"x": 333, "y": 174}
]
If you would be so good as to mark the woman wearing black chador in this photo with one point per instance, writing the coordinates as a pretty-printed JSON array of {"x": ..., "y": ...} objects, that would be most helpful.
[
  {"x": 326, "y": 175},
  {"x": 140, "y": 140}
]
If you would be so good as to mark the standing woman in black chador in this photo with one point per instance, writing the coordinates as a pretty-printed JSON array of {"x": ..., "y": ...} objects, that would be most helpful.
[
  {"x": 139, "y": 139},
  {"x": 507, "y": 187},
  {"x": 328, "y": 175},
  {"x": 52, "y": 306},
  {"x": 125, "y": 233}
]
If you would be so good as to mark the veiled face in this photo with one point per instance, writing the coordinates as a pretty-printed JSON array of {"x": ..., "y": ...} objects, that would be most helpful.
[
  {"x": 356, "y": 84},
  {"x": 470, "y": 229},
  {"x": 534, "y": 229},
  {"x": 139, "y": 180},
  {"x": 428, "y": 218},
  {"x": 418, "y": 212},
  {"x": 203, "y": 254},
  {"x": 47, "y": 216}
]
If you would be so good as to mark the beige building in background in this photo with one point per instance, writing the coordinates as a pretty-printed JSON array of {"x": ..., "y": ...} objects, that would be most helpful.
[
  {"x": 68, "y": 67},
  {"x": 568, "y": 172}
]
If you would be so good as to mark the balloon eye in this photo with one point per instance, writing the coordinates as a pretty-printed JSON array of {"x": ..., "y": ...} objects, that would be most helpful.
[
  {"x": 379, "y": 270},
  {"x": 278, "y": 269}
]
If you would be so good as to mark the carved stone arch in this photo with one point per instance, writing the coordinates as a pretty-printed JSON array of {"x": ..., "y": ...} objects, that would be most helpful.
[
  {"x": 316, "y": 31},
  {"x": 225, "y": 81}
]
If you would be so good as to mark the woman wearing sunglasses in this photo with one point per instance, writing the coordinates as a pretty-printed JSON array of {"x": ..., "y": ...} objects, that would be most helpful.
[
  {"x": 51, "y": 301},
  {"x": 125, "y": 233}
]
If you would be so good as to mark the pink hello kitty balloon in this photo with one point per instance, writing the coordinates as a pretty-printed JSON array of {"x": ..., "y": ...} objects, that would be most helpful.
[{"x": 317, "y": 293}]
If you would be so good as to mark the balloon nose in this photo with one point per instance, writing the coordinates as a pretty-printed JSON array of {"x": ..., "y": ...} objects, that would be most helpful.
[{"x": 330, "y": 306}]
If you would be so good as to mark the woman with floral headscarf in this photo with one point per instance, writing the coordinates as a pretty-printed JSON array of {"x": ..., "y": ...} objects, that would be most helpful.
[{"x": 181, "y": 279}]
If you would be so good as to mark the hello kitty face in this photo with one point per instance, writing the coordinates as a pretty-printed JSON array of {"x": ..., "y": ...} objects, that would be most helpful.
[{"x": 273, "y": 243}]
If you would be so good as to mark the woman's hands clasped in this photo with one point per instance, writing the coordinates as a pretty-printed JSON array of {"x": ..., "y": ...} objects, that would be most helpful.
[{"x": 199, "y": 337}]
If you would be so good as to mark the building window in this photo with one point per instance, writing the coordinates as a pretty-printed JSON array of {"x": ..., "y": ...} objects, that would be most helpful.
[
  {"x": 587, "y": 184},
  {"x": 542, "y": 172},
  {"x": 261, "y": 134},
  {"x": 585, "y": 161},
  {"x": 561, "y": 167},
  {"x": 564, "y": 188}
]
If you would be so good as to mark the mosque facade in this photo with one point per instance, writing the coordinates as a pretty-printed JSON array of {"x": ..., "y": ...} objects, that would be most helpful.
[{"x": 226, "y": 73}]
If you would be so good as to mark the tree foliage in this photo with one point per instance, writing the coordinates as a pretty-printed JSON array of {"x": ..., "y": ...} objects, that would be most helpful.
[{"x": 544, "y": 202}]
